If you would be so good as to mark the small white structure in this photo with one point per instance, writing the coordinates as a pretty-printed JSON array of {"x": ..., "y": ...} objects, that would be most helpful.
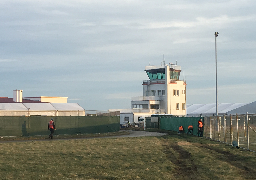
[
  {"x": 126, "y": 117},
  {"x": 17, "y": 95}
]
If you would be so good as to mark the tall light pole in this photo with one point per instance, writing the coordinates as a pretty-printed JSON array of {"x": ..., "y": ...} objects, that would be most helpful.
[{"x": 216, "y": 35}]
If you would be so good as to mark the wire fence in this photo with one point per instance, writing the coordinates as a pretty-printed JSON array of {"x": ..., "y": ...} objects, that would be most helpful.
[{"x": 237, "y": 130}]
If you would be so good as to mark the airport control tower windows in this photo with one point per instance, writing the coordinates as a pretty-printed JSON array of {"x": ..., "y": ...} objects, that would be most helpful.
[
  {"x": 156, "y": 74},
  {"x": 175, "y": 75}
]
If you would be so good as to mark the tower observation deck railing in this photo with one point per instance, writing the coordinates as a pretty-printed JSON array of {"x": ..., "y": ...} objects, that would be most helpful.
[
  {"x": 151, "y": 111},
  {"x": 148, "y": 82},
  {"x": 173, "y": 66},
  {"x": 147, "y": 98}
]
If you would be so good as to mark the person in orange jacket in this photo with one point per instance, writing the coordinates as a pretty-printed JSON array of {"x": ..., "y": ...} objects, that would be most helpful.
[
  {"x": 181, "y": 129},
  {"x": 200, "y": 128},
  {"x": 190, "y": 129},
  {"x": 51, "y": 127}
]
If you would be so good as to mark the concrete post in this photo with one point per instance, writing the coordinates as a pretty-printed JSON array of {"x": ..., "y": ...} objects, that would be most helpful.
[
  {"x": 231, "y": 130},
  {"x": 237, "y": 136},
  {"x": 210, "y": 128},
  {"x": 225, "y": 128},
  {"x": 247, "y": 120}
]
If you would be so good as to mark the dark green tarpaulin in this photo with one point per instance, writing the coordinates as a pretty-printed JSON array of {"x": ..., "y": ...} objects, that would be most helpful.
[
  {"x": 37, "y": 125},
  {"x": 173, "y": 123}
]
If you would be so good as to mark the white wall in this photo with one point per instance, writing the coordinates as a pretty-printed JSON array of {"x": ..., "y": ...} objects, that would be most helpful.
[
  {"x": 174, "y": 99},
  {"x": 129, "y": 115}
]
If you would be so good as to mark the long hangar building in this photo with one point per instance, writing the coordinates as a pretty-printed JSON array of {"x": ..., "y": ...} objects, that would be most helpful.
[{"x": 38, "y": 106}]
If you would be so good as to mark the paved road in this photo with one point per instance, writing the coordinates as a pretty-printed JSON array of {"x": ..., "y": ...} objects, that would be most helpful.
[{"x": 141, "y": 133}]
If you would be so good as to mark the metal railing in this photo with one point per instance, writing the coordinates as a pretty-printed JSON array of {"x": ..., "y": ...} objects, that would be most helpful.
[{"x": 147, "y": 98}]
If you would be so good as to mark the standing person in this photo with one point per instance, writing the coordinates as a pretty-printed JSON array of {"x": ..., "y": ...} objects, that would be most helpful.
[
  {"x": 190, "y": 129},
  {"x": 200, "y": 128},
  {"x": 51, "y": 127}
]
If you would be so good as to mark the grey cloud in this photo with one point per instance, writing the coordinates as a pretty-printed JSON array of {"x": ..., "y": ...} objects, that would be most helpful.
[{"x": 94, "y": 50}]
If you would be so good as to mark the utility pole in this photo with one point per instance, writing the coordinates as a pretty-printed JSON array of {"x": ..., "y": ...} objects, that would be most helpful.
[{"x": 216, "y": 35}]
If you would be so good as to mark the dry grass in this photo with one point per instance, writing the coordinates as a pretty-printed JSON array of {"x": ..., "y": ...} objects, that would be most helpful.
[
  {"x": 61, "y": 136},
  {"x": 168, "y": 157}
]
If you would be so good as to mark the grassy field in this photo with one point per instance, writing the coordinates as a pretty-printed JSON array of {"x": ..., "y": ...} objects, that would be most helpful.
[{"x": 168, "y": 157}]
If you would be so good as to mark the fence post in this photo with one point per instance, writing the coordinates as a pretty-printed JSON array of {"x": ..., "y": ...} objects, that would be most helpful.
[
  {"x": 231, "y": 130},
  {"x": 218, "y": 127},
  {"x": 210, "y": 128},
  {"x": 225, "y": 126},
  {"x": 247, "y": 122},
  {"x": 244, "y": 127},
  {"x": 214, "y": 124},
  {"x": 237, "y": 136}
]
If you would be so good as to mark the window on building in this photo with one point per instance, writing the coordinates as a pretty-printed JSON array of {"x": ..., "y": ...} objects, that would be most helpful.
[
  {"x": 183, "y": 91},
  {"x": 144, "y": 106},
  {"x": 163, "y": 92},
  {"x": 174, "y": 92},
  {"x": 183, "y": 106},
  {"x": 178, "y": 92},
  {"x": 154, "y": 106},
  {"x": 174, "y": 75},
  {"x": 126, "y": 119},
  {"x": 159, "y": 92},
  {"x": 153, "y": 92},
  {"x": 177, "y": 106},
  {"x": 147, "y": 93}
]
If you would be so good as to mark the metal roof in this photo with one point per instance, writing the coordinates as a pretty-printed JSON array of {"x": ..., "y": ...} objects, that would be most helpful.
[
  {"x": 40, "y": 107},
  {"x": 12, "y": 107},
  {"x": 223, "y": 108},
  {"x": 67, "y": 106}
]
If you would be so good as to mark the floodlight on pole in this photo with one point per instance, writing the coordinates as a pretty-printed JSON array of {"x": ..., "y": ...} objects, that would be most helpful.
[{"x": 216, "y": 35}]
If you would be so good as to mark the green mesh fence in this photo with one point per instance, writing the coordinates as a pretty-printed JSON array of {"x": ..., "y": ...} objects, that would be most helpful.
[
  {"x": 150, "y": 124},
  {"x": 173, "y": 123},
  {"x": 38, "y": 125}
]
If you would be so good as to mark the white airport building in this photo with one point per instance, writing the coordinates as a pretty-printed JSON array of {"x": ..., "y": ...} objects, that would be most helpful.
[
  {"x": 38, "y": 106},
  {"x": 163, "y": 93}
]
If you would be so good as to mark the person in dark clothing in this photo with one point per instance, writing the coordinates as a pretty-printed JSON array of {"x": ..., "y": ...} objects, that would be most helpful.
[
  {"x": 200, "y": 128},
  {"x": 190, "y": 129},
  {"x": 51, "y": 127}
]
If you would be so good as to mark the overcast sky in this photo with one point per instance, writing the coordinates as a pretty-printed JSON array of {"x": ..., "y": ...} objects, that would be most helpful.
[{"x": 95, "y": 51}]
